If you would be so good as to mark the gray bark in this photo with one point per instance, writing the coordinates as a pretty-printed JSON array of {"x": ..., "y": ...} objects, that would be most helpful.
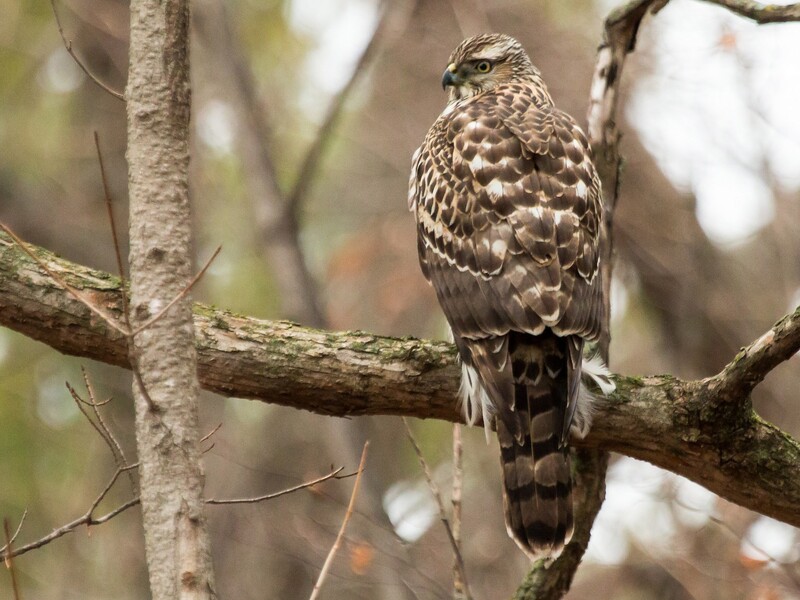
[{"x": 165, "y": 393}]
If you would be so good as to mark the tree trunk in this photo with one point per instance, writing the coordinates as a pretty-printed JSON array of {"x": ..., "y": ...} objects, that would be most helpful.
[{"x": 165, "y": 390}]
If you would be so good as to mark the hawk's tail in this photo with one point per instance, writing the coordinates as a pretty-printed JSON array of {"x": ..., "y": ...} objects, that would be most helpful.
[{"x": 536, "y": 465}]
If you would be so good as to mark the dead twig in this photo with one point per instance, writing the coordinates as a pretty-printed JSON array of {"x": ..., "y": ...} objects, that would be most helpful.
[
  {"x": 126, "y": 312},
  {"x": 89, "y": 74},
  {"x": 100, "y": 426},
  {"x": 212, "y": 432},
  {"x": 86, "y": 519},
  {"x": 60, "y": 281},
  {"x": 115, "y": 447},
  {"x": 114, "y": 237},
  {"x": 100, "y": 429},
  {"x": 207, "y": 436},
  {"x": 71, "y": 526},
  {"x": 89, "y": 519},
  {"x": 16, "y": 532},
  {"x": 324, "y": 571},
  {"x": 256, "y": 499},
  {"x": 183, "y": 292},
  {"x": 442, "y": 514},
  {"x": 9, "y": 560}
]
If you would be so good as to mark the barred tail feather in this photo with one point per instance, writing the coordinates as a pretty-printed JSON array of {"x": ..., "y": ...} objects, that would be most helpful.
[
  {"x": 537, "y": 479},
  {"x": 537, "y": 497},
  {"x": 531, "y": 389}
]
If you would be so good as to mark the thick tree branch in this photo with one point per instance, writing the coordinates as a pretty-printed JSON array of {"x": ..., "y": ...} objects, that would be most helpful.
[{"x": 687, "y": 427}]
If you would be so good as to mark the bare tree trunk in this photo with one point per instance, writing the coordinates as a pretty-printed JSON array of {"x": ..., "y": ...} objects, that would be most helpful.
[{"x": 165, "y": 392}]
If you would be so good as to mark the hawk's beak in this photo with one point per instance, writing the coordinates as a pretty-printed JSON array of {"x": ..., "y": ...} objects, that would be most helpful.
[{"x": 450, "y": 77}]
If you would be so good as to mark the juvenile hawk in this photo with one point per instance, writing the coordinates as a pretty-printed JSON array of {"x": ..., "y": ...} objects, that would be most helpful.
[{"x": 509, "y": 209}]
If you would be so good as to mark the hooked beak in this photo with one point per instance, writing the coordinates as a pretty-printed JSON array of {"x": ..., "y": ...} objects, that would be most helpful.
[{"x": 450, "y": 77}]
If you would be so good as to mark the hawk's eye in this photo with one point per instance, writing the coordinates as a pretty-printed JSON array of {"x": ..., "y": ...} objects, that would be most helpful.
[{"x": 483, "y": 66}]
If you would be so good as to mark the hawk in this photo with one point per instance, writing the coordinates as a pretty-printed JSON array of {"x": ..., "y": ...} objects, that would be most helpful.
[{"x": 508, "y": 209}]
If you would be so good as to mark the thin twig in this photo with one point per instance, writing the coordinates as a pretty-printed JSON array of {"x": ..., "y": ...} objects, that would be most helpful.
[
  {"x": 79, "y": 402},
  {"x": 458, "y": 482},
  {"x": 86, "y": 519},
  {"x": 185, "y": 291},
  {"x": 126, "y": 312},
  {"x": 101, "y": 426},
  {"x": 114, "y": 237},
  {"x": 60, "y": 281},
  {"x": 301, "y": 486},
  {"x": 324, "y": 571},
  {"x": 89, "y": 74},
  {"x": 109, "y": 485},
  {"x": 122, "y": 462},
  {"x": 442, "y": 514},
  {"x": 19, "y": 528},
  {"x": 212, "y": 432},
  {"x": 72, "y": 526},
  {"x": 9, "y": 560},
  {"x": 116, "y": 449}
]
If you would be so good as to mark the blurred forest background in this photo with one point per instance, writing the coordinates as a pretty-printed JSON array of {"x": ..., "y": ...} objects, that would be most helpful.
[{"x": 707, "y": 259}]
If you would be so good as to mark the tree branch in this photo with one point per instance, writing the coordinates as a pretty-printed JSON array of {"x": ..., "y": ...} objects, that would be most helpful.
[
  {"x": 761, "y": 13},
  {"x": 753, "y": 363},
  {"x": 87, "y": 518},
  {"x": 687, "y": 427}
]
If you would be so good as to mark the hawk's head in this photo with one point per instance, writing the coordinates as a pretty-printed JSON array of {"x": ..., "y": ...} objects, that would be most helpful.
[{"x": 483, "y": 62}]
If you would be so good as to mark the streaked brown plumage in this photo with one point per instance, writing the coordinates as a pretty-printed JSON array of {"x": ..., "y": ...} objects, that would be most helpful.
[{"x": 508, "y": 209}]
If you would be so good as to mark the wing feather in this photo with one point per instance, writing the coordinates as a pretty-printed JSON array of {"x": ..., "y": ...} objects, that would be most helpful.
[{"x": 504, "y": 190}]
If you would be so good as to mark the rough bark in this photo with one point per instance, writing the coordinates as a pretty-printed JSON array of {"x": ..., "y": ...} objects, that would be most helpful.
[
  {"x": 165, "y": 392},
  {"x": 705, "y": 430}
]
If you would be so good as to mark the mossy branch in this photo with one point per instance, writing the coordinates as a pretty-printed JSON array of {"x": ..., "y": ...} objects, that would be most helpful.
[{"x": 701, "y": 429}]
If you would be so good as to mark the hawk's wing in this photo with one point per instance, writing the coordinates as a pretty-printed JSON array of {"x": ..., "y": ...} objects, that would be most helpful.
[{"x": 508, "y": 208}]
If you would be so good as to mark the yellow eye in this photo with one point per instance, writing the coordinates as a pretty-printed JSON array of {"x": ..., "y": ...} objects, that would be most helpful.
[{"x": 483, "y": 66}]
